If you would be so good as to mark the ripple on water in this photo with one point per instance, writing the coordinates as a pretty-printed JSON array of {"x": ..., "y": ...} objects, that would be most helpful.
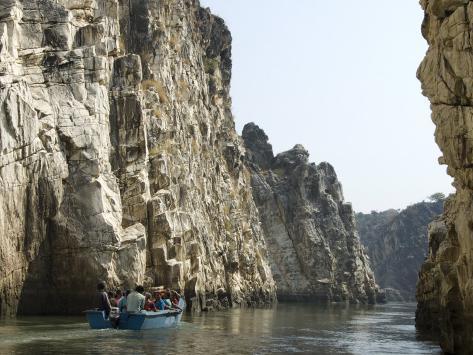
[{"x": 289, "y": 328}]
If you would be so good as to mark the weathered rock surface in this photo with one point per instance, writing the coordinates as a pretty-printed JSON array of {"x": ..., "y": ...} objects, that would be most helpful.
[
  {"x": 397, "y": 244},
  {"x": 119, "y": 158},
  {"x": 445, "y": 289},
  {"x": 314, "y": 249}
]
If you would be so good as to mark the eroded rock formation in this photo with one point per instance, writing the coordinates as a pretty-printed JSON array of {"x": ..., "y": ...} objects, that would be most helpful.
[
  {"x": 119, "y": 158},
  {"x": 314, "y": 249},
  {"x": 445, "y": 289},
  {"x": 397, "y": 244}
]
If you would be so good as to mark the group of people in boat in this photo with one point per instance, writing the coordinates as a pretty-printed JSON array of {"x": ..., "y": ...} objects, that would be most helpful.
[{"x": 137, "y": 300}]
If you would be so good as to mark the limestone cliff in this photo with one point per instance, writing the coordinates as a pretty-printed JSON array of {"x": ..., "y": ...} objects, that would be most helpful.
[
  {"x": 396, "y": 243},
  {"x": 314, "y": 249},
  {"x": 119, "y": 158},
  {"x": 445, "y": 288}
]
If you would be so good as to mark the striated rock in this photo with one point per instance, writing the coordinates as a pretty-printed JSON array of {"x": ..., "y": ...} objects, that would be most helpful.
[
  {"x": 119, "y": 159},
  {"x": 397, "y": 243},
  {"x": 445, "y": 288},
  {"x": 314, "y": 249}
]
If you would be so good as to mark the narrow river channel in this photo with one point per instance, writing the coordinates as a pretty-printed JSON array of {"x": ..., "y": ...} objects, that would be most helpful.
[{"x": 287, "y": 328}]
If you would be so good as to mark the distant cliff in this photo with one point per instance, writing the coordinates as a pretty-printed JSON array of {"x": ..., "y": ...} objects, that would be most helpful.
[
  {"x": 314, "y": 249},
  {"x": 445, "y": 289},
  {"x": 119, "y": 159},
  {"x": 397, "y": 244}
]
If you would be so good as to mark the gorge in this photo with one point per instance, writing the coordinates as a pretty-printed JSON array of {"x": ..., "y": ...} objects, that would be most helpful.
[{"x": 120, "y": 161}]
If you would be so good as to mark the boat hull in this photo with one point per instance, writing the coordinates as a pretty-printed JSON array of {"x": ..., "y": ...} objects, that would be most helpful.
[{"x": 136, "y": 321}]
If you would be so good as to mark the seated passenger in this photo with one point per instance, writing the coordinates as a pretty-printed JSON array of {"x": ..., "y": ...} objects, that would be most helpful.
[
  {"x": 149, "y": 303},
  {"x": 160, "y": 304},
  {"x": 135, "y": 302},
  {"x": 112, "y": 300},
  {"x": 103, "y": 303},
  {"x": 167, "y": 298},
  {"x": 118, "y": 296},
  {"x": 122, "y": 303},
  {"x": 175, "y": 297}
]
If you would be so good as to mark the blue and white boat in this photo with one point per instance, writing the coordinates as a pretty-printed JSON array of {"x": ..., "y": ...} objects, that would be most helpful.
[{"x": 137, "y": 321}]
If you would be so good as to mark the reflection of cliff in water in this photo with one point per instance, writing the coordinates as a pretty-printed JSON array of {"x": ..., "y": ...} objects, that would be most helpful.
[{"x": 340, "y": 329}]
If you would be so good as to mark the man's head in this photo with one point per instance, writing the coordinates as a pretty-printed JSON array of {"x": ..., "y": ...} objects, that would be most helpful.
[
  {"x": 139, "y": 289},
  {"x": 157, "y": 295},
  {"x": 119, "y": 293},
  {"x": 101, "y": 286}
]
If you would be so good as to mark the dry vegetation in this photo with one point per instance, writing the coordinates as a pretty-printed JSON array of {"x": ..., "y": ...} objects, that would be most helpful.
[{"x": 158, "y": 87}]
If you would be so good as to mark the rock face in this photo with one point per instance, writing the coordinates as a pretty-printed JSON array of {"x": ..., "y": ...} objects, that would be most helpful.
[
  {"x": 119, "y": 158},
  {"x": 445, "y": 289},
  {"x": 397, "y": 244},
  {"x": 314, "y": 249}
]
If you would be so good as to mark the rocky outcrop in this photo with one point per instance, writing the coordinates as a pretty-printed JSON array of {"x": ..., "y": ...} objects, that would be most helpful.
[
  {"x": 119, "y": 158},
  {"x": 314, "y": 249},
  {"x": 397, "y": 244},
  {"x": 445, "y": 288}
]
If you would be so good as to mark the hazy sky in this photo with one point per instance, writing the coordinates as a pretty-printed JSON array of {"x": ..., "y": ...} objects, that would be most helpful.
[{"x": 339, "y": 78}]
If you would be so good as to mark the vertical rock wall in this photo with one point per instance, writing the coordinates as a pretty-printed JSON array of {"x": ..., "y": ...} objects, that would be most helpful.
[
  {"x": 445, "y": 288},
  {"x": 119, "y": 158},
  {"x": 396, "y": 242},
  {"x": 315, "y": 252}
]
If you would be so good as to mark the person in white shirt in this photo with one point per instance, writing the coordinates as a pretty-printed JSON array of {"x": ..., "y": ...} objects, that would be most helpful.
[{"x": 135, "y": 302}]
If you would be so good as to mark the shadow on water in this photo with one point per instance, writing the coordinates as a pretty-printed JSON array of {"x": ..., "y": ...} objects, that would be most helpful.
[{"x": 287, "y": 328}]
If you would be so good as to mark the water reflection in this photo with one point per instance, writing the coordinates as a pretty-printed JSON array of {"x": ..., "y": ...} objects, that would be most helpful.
[{"x": 334, "y": 329}]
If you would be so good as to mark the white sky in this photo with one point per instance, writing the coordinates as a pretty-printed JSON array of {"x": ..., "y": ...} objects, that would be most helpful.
[{"x": 339, "y": 78}]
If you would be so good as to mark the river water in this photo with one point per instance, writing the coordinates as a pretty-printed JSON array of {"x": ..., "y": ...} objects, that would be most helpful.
[{"x": 287, "y": 328}]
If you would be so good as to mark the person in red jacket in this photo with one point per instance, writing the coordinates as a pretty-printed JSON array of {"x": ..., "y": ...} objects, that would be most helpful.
[{"x": 149, "y": 303}]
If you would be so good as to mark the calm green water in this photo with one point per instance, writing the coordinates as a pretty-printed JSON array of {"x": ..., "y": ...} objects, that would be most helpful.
[{"x": 288, "y": 328}]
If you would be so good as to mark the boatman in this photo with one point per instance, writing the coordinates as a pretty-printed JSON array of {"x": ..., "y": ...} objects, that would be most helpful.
[
  {"x": 103, "y": 303},
  {"x": 135, "y": 302}
]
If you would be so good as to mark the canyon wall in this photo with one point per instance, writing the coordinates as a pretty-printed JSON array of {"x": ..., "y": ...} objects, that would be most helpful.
[
  {"x": 445, "y": 288},
  {"x": 119, "y": 159},
  {"x": 397, "y": 244},
  {"x": 314, "y": 249}
]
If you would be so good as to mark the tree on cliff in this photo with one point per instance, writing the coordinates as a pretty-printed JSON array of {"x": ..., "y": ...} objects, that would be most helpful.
[{"x": 436, "y": 197}]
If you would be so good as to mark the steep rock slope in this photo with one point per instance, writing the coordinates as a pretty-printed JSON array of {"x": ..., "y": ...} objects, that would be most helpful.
[
  {"x": 445, "y": 288},
  {"x": 119, "y": 158},
  {"x": 397, "y": 244},
  {"x": 315, "y": 252}
]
